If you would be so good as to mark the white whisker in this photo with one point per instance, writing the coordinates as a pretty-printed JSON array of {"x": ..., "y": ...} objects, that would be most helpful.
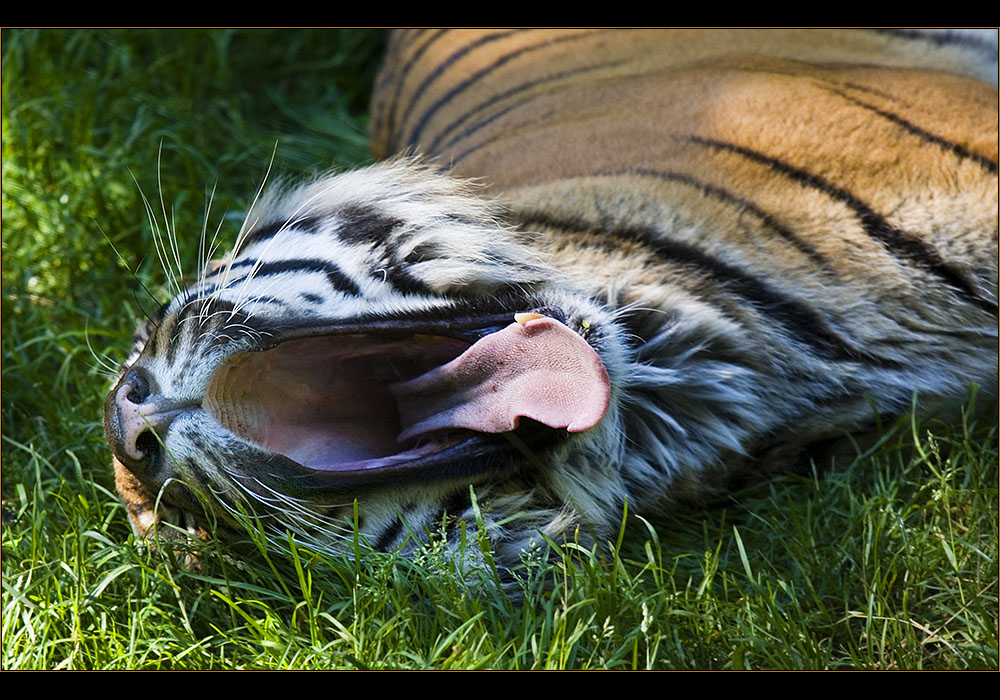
[{"x": 167, "y": 248}]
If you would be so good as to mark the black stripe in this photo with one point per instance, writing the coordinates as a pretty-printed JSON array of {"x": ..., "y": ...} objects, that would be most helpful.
[
  {"x": 950, "y": 146},
  {"x": 225, "y": 330},
  {"x": 441, "y": 68},
  {"x": 152, "y": 327},
  {"x": 458, "y": 502},
  {"x": 205, "y": 294},
  {"x": 216, "y": 316},
  {"x": 365, "y": 225},
  {"x": 435, "y": 146},
  {"x": 337, "y": 278},
  {"x": 191, "y": 306},
  {"x": 858, "y": 87},
  {"x": 400, "y": 79},
  {"x": 801, "y": 321},
  {"x": 153, "y": 341},
  {"x": 262, "y": 299},
  {"x": 401, "y": 280},
  {"x": 308, "y": 224},
  {"x": 392, "y": 72},
  {"x": 204, "y": 291},
  {"x": 417, "y": 131},
  {"x": 389, "y": 535},
  {"x": 455, "y": 160},
  {"x": 899, "y": 243},
  {"x": 944, "y": 38},
  {"x": 740, "y": 203},
  {"x": 451, "y": 509},
  {"x": 176, "y": 329}
]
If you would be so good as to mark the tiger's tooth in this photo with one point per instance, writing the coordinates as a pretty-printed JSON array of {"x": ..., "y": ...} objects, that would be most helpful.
[{"x": 523, "y": 318}]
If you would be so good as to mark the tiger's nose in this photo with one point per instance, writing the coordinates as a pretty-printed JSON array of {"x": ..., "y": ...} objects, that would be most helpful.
[{"x": 136, "y": 423}]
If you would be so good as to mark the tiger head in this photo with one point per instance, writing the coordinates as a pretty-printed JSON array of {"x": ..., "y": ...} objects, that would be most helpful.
[{"x": 376, "y": 335}]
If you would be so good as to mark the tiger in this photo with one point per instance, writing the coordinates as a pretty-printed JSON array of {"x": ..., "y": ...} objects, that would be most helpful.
[{"x": 592, "y": 270}]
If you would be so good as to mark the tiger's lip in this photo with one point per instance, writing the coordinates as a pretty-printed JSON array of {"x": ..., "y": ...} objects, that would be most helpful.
[
  {"x": 464, "y": 327},
  {"x": 476, "y": 455}
]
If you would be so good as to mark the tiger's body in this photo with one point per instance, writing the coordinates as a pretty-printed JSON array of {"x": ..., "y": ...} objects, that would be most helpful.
[{"x": 756, "y": 246}]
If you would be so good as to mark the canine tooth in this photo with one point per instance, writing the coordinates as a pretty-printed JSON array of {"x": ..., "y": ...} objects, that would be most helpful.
[{"x": 523, "y": 318}]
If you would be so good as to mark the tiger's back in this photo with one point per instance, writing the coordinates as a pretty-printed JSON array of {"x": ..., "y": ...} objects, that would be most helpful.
[
  {"x": 833, "y": 194},
  {"x": 749, "y": 251},
  {"x": 826, "y": 157}
]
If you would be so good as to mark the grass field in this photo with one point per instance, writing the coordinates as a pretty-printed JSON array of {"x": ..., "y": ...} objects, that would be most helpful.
[{"x": 889, "y": 562}]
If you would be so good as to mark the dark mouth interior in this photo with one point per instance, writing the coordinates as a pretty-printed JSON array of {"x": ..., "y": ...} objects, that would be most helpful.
[{"x": 324, "y": 402}]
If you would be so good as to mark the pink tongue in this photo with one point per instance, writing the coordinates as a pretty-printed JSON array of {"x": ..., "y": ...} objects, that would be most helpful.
[{"x": 540, "y": 370}]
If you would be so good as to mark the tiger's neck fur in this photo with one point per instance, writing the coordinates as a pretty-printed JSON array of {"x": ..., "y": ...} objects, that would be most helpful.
[{"x": 759, "y": 315}]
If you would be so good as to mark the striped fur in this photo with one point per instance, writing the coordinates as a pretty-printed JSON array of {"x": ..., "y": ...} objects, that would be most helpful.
[{"x": 763, "y": 235}]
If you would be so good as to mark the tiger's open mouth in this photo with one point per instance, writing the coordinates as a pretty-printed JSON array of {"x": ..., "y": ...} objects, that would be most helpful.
[{"x": 376, "y": 401}]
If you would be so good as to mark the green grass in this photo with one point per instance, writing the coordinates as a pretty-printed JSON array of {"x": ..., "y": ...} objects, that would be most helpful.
[{"x": 888, "y": 563}]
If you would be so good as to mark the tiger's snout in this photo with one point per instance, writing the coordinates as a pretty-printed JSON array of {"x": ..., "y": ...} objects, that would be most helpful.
[{"x": 136, "y": 422}]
